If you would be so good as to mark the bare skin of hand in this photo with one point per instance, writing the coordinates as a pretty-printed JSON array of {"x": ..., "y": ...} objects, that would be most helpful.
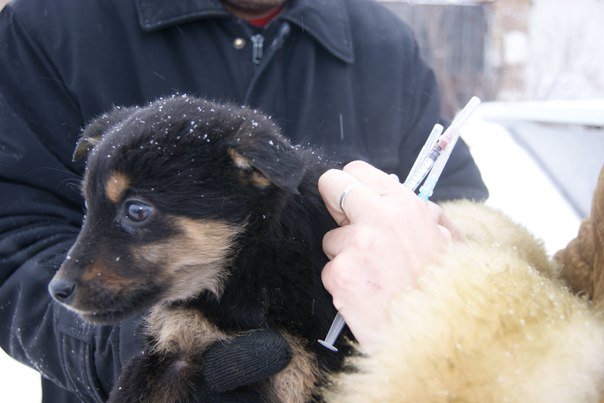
[{"x": 387, "y": 237}]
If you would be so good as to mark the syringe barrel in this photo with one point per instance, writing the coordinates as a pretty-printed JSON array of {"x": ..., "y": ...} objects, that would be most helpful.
[
  {"x": 462, "y": 116},
  {"x": 422, "y": 170}
]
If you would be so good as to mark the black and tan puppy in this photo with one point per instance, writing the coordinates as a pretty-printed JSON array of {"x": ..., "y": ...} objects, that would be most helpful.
[{"x": 206, "y": 217}]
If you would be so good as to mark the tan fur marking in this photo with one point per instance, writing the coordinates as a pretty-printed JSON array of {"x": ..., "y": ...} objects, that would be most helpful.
[
  {"x": 181, "y": 330},
  {"x": 194, "y": 261},
  {"x": 259, "y": 180},
  {"x": 296, "y": 383},
  {"x": 84, "y": 146},
  {"x": 185, "y": 331},
  {"x": 239, "y": 160},
  {"x": 116, "y": 186},
  {"x": 101, "y": 273},
  {"x": 244, "y": 163}
]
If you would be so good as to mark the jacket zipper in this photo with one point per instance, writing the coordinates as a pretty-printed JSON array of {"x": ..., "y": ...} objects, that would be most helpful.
[
  {"x": 258, "y": 45},
  {"x": 257, "y": 51}
]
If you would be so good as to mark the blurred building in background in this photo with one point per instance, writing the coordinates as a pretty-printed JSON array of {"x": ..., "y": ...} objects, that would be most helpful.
[
  {"x": 454, "y": 38},
  {"x": 538, "y": 63},
  {"x": 510, "y": 50}
]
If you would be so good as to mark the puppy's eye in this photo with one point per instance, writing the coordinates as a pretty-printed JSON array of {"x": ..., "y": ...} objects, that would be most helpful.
[{"x": 138, "y": 212}]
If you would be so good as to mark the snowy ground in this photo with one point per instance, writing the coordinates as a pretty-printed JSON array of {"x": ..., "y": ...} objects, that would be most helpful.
[
  {"x": 519, "y": 187},
  {"x": 18, "y": 383}
]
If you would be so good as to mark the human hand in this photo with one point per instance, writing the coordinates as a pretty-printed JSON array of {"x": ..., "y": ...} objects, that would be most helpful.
[{"x": 387, "y": 237}]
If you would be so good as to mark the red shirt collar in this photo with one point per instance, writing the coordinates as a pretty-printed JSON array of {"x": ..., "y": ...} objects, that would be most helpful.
[{"x": 261, "y": 22}]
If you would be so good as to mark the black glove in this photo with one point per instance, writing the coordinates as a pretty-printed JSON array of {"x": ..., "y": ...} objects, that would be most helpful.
[
  {"x": 229, "y": 371},
  {"x": 245, "y": 360}
]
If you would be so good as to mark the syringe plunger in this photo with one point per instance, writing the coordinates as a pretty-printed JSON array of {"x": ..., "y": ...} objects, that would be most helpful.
[{"x": 334, "y": 331}]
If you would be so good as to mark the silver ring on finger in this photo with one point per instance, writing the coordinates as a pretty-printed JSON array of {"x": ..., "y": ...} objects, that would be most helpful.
[{"x": 345, "y": 193}]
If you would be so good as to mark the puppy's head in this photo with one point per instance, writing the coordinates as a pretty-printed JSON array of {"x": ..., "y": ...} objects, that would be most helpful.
[{"x": 168, "y": 189}]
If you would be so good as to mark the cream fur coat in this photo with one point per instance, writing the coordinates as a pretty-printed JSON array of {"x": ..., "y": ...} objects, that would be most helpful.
[{"x": 491, "y": 322}]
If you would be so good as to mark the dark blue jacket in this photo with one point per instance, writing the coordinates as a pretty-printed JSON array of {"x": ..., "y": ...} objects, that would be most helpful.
[{"x": 344, "y": 75}]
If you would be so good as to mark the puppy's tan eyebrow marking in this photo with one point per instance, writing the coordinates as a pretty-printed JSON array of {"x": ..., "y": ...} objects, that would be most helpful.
[{"x": 116, "y": 186}]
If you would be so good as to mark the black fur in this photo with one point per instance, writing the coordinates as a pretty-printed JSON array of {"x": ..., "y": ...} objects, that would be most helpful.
[{"x": 191, "y": 158}]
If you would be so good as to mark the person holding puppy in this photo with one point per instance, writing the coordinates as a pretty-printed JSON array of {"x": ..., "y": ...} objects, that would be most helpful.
[
  {"x": 310, "y": 64},
  {"x": 459, "y": 303}
]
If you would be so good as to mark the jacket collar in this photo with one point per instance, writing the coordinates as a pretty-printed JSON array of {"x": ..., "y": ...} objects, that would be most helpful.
[{"x": 326, "y": 20}]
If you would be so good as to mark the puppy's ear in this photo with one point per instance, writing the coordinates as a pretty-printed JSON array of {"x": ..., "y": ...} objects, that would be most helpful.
[
  {"x": 95, "y": 129},
  {"x": 268, "y": 159}
]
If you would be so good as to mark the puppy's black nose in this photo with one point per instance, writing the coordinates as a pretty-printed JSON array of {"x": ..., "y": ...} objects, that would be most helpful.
[{"x": 62, "y": 290}]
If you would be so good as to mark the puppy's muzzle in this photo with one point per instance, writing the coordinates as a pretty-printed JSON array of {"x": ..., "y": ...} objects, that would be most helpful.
[{"x": 62, "y": 290}]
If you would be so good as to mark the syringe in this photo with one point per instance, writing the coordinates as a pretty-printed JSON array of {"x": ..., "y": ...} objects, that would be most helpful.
[
  {"x": 437, "y": 130},
  {"x": 334, "y": 331},
  {"x": 452, "y": 132},
  {"x": 426, "y": 190},
  {"x": 424, "y": 164}
]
